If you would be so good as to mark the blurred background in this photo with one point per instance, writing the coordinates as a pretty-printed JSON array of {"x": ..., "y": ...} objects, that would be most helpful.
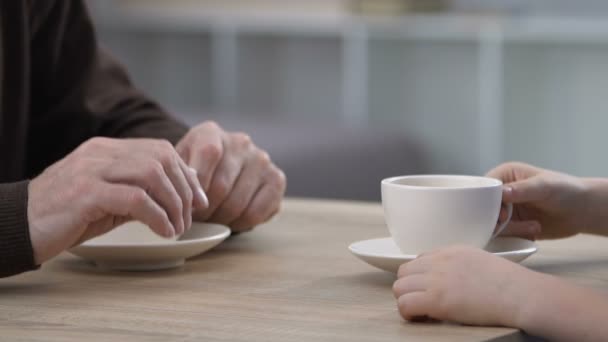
[{"x": 343, "y": 93}]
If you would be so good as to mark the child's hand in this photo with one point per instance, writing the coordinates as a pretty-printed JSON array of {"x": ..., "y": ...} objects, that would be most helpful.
[
  {"x": 463, "y": 284},
  {"x": 547, "y": 204}
]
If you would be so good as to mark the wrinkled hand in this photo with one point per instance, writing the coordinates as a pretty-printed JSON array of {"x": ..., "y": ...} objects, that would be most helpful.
[
  {"x": 242, "y": 184},
  {"x": 546, "y": 204},
  {"x": 106, "y": 182},
  {"x": 465, "y": 285}
]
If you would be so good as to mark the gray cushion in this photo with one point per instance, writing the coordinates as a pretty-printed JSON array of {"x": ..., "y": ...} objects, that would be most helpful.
[{"x": 332, "y": 160}]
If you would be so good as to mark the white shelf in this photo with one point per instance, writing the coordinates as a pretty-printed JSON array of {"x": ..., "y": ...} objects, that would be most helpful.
[
  {"x": 185, "y": 20},
  {"x": 449, "y": 26},
  {"x": 500, "y": 67},
  {"x": 557, "y": 29}
]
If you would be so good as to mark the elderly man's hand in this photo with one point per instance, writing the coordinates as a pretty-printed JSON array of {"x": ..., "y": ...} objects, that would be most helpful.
[
  {"x": 106, "y": 182},
  {"x": 244, "y": 187}
]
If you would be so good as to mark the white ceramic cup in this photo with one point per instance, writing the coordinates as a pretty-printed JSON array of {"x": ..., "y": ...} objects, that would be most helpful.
[{"x": 427, "y": 212}]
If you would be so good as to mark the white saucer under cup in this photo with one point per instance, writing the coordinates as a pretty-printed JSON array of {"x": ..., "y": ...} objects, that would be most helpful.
[
  {"x": 133, "y": 247},
  {"x": 385, "y": 255}
]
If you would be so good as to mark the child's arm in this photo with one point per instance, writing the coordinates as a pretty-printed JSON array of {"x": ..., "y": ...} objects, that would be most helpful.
[
  {"x": 596, "y": 203},
  {"x": 470, "y": 286},
  {"x": 560, "y": 311}
]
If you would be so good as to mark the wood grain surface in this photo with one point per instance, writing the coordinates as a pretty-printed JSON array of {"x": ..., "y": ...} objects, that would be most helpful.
[{"x": 290, "y": 280}]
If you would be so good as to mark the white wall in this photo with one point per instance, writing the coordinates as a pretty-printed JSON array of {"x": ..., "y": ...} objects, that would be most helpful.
[
  {"x": 556, "y": 106},
  {"x": 553, "y": 94},
  {"x": 536, "y": 6},
  {"x": 430, "y": 89}
]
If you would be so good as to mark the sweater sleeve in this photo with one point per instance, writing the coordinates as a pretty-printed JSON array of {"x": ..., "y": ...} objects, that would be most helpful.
[
  {"x": 16, "y": 254},
  {"x": 80, "y": 91}
]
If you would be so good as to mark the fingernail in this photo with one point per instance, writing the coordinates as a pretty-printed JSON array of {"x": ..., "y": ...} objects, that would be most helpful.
[
  {"x": 188, "y": 223},
  {"x": 193, "y": 171},
  {"x": 508, "y": 190},
  {"x": 202, "y": 197},
  {"x": 170, "y": 233}
]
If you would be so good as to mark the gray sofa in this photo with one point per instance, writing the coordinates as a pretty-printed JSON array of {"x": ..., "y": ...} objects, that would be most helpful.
[{"x": 331, "y": 160}]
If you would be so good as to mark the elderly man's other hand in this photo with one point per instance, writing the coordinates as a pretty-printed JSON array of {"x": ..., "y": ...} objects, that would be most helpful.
[{"x": 244, "y": 187}]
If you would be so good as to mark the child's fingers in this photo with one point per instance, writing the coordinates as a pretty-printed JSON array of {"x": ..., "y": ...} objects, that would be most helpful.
[
  {"x": 504, "y": 213},
  {"x": 414, "y": 304},
  {"x": 524, "y": 229},
  {"x": 414, "y": 283},
  {"x": 528, "y": 190}
]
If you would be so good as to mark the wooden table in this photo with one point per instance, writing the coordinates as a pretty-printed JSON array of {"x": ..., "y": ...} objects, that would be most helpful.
[{"x": 291, "y": 280}]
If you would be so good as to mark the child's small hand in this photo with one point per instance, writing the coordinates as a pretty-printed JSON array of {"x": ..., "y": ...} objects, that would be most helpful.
[
  {"x": 465, "y": 285},
  {"x": 546, "y": 204}
]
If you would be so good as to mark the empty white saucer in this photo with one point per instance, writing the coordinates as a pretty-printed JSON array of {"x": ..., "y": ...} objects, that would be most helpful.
[
  {"x": 384, "y": 254},
  {"x": 129, "y": 250}
]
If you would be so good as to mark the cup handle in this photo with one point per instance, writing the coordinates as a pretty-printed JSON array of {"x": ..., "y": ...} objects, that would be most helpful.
[{"x": 506, "y": 223}]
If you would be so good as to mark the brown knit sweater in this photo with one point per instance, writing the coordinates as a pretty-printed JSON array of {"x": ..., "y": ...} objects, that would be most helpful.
[{"x": 59, "y": 88}]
